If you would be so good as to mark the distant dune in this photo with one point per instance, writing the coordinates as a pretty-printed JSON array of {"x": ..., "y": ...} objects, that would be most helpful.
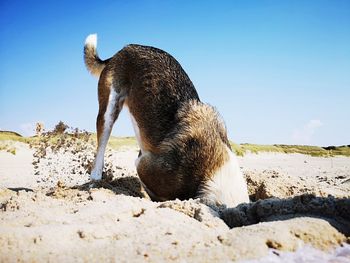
[
  {"x": 239, "y": 149},
  {"x": 5, "y": 133}
]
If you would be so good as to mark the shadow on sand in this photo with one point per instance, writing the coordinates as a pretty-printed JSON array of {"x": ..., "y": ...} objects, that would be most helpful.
[
  {"x": 334, "y": 210},
  {"x": 128, "y": 185},
  {"x": 17, "y": 189}
]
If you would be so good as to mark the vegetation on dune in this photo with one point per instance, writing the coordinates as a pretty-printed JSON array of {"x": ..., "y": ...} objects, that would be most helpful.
[
  {"x": 237, "y": 149},
  {"x": 120, "y": 142},
  {"x": 304, "y": 149},
  {"x": 13, "y": 136},
  {"x": 256, "y": 148},
  {"x": 316, "y": 151},
  {"x": 8, "y": 148},
  {"x": 62, "y": 132},
  {"x": 339, "y": 150}
]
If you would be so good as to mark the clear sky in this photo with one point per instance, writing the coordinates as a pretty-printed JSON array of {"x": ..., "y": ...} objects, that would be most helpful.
[{"x": 277, "y": 71}]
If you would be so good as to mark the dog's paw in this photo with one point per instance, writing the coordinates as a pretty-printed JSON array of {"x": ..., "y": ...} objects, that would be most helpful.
[{"x": 96, "y": 175}]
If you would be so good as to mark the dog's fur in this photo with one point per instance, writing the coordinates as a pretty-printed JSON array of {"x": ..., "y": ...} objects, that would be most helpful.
[{"x": 184, "y": 152}]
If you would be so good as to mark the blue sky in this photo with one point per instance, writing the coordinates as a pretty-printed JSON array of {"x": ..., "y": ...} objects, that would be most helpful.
[{"x": 277, "y": 71}]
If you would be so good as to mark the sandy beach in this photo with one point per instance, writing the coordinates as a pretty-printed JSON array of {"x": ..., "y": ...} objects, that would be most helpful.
[{"x": 50, "y": 211}]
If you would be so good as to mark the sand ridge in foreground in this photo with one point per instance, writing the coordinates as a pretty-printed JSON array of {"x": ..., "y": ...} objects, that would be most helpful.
[{"x": 50, "y": 211}]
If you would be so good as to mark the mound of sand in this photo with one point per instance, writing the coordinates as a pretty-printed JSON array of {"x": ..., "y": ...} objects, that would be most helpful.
[{"x": 49, "y": 211}]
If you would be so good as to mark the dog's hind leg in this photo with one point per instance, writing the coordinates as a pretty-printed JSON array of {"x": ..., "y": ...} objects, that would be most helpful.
[{"x": 110, "y": 105}]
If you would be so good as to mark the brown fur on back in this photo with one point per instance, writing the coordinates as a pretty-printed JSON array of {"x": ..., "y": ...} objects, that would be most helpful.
[{"x": 155, "y": 85}]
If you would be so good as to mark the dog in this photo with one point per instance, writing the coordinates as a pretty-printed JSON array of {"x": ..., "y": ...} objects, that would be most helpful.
[{"x": 184, "y": 149}]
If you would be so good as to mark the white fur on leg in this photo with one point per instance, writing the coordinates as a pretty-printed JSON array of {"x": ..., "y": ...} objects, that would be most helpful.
[
  {"x": 137, "y": 135},
  {"x": 137, "y": 132},
  {"x": 227, "y": 186},
  {"x": 96, "y": 173}
]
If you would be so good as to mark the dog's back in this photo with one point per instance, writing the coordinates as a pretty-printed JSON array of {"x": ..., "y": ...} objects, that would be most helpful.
[
  {"x": 157, "y": 86},
  {"x": 184, "y": 147}
]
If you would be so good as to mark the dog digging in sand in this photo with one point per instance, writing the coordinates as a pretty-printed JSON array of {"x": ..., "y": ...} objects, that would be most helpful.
[{"x": 184, "y": 149}]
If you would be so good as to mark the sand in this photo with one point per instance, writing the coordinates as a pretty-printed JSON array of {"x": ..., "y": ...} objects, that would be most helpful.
[{"x": 50, "y": 211}]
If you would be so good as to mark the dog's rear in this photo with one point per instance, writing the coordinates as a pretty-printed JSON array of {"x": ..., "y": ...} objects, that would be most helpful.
[{"x": 184, "y": 147}]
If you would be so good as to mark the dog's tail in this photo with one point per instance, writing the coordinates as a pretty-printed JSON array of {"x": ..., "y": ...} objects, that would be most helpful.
[{"x": 92, "y": 61}]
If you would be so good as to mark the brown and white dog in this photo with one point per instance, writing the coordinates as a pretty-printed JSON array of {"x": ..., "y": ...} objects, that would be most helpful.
[{"x": 184, "y": 152}]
